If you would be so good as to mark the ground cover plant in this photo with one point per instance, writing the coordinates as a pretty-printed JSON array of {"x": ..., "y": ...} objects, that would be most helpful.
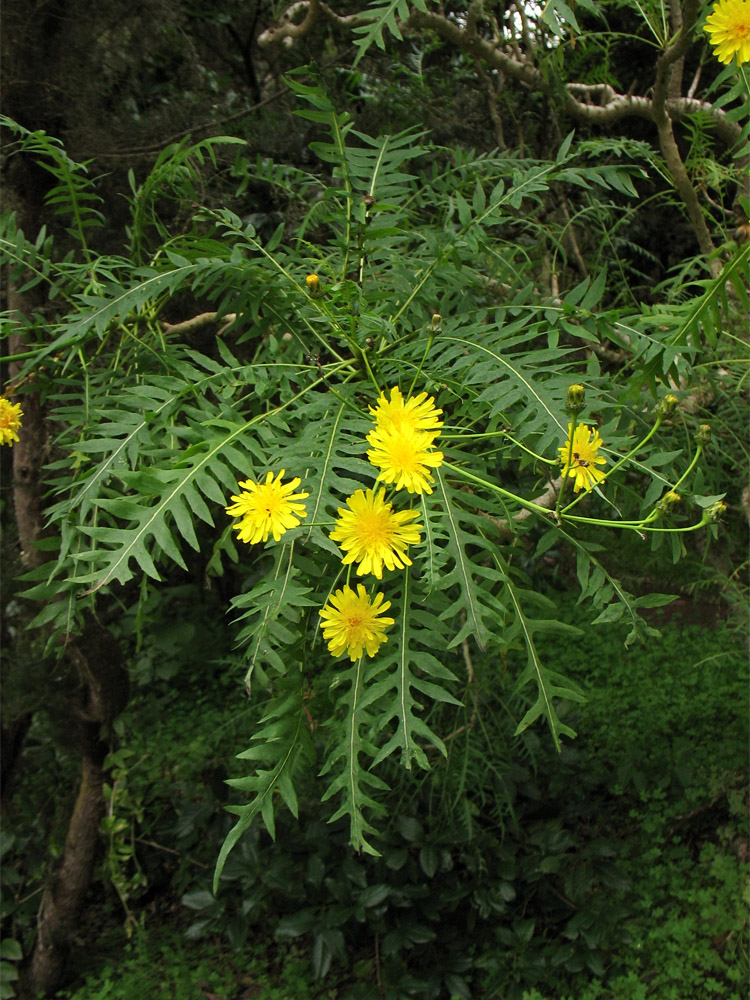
[
  {"x": 619, "y": 837},
  {"x": 338, "y": 454}
]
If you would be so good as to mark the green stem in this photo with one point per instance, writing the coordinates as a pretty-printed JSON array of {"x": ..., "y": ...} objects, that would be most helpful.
[
  {"x": 637, "y": 447},
  {"x": 690, "y": 468},
  {"x": 566, "y": 475},
  {"x": 418, "y": 372},
  {"x": 539, "y": 458},
  {"x": 633, "y": 525},
  {"x": 529, "y": 504},
  {"x": 370, "y": 372}
]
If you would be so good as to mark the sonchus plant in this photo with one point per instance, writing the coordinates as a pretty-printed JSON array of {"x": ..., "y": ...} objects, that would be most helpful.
[{"x": 389, "y": 432}]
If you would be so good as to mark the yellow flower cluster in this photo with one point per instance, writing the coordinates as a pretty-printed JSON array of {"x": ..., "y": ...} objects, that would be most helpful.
[
  {"x": 402, "y": 440},
  {"x": 371, "y": 534},
  {"x": 10, "y": 421},
  {"x": 369, "y": 531}
]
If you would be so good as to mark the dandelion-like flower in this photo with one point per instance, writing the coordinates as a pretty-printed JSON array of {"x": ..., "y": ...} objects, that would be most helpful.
[
  {"x": 584, "y": 457},
  {"x": 403, "y": 458},
  {"x": 352, "y": 623},
  {"x": 418, "y": 413},
  {"x": 10, "y": 420},
  {"x": 268, "y": 508},
  {"x": 373, "y": 535},
  {"x": 728, "y": 28}
]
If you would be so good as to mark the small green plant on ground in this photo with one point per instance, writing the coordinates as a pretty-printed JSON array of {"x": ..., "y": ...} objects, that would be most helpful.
[{"x": 163, "y": 964}]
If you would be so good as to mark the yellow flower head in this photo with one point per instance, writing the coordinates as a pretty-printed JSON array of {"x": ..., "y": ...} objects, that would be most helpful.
[
  {"x": 10, "y": 420},
  {"x": 267, "y": 508},
  {"x": 418, "y": 413},
  {"x": 313, "y": 285},
  {"x": 372, "y": 534},
  {"x": 584, "y": 457},
  {"x": 403, "y": 458},
  {"x": 351, "y": 623},
  {"x": 728, "y": 28}
]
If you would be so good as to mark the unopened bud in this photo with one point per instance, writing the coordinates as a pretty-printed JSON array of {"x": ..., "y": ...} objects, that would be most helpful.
[
  {"x": 668, "y": 501},
  {"x": 716, "y": 511},
  {"x": 435, "y": 322},
  {"x": 313, "y": 285},
  {"x": 576, "y": 398},
  {"x": 704, "y": 434},
  {"x": 666, "y": 407}
]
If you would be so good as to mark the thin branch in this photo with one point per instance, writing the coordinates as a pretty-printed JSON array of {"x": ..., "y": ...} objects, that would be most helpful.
[
  {"x": 288, "y": 30},
  {"x": 196, "y": 322},
  {"x": 660, "y": 113},
  {"x": 492, "y": 94}
]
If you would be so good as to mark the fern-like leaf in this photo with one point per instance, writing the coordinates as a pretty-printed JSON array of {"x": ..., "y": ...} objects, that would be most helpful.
[
  {"x": 351, "y": 736},
  {"x": 406, "y": 668},
  {"x": 282, "y": 743},
  {"x": 550, "y": 684}
]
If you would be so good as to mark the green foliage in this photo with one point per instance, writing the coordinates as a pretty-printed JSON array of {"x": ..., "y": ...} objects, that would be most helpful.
[
  {"x": 383, "y": 16},
  {"x": 509, "y": 865},
  {"x": 427, "y": 273},
  {"x": 167, "y": 965}
]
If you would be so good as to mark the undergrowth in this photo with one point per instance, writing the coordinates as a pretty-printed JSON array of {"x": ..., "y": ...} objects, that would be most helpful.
[{"x": 613, "y": 871}]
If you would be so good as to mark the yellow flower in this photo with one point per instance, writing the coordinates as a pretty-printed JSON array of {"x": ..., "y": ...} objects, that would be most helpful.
[
  {"x": 313, "y": 285},
  {"x": 372, "y": 534},
  {"x": 584, "y": 457},
  {"x": 728, "y": 26},
  {"x": 267, "y": 508},
  {"x": 352, "y": 624},
  {"x": 418, "y": 413},
  {"x": 10, "y": 420},
  {"x": 403, "y": 458}
]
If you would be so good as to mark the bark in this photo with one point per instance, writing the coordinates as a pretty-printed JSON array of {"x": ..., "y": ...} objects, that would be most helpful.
[
  {"x": 102, "y": 695},
  {"x": 62, "y": 903},
  {"x": 665, "y": 68}
]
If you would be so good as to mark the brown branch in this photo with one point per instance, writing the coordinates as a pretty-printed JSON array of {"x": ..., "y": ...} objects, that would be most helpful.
[
  {"x": 196, "y": 322},
  {"x": 492, "y": 94},
  {"x": 660, "y": 113},
  {"x": 675, "y": 82},
  {"x": 288, "y": 30}
]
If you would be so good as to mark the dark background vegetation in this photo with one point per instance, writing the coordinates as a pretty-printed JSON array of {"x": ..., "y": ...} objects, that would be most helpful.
[{"x": 612, "y": 870}]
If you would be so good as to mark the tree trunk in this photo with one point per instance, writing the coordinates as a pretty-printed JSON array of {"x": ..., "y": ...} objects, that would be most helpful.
[
  {"x": 61, "y": 904},
  {"x": 103, "y": 694}
]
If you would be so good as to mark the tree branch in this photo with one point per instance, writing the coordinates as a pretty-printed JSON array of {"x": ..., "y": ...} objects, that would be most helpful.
[
  {"x": 196, "y": 322},
  {"x": 660, "y": 113},
  {"x": 662, "y": 109}
]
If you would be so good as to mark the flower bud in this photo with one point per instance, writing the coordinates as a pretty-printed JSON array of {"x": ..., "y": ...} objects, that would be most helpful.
[
  {"x": 435, "y": 322},
  {"x": 704, "y": 434},
  {"x": 716, "y": 511},
  {"x": 666, "y": 407},
  {"x": 668, "y": 501},
  {"x": 313, "y": 285},
  {"x": 576, "y": 398}
]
